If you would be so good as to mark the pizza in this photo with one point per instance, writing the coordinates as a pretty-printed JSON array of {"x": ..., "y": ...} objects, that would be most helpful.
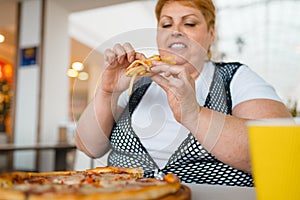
[
  {"x": 98, "y": 183},
  {"x": 142, "y": 68}
]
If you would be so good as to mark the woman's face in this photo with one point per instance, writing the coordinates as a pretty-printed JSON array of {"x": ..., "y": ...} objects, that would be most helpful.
[{"x": 183, "y": 34}]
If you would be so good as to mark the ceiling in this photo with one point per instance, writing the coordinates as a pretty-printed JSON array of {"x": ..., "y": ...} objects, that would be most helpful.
[
  {"x": 110, "y": 21},
  {"x": 80, "y": 5}
]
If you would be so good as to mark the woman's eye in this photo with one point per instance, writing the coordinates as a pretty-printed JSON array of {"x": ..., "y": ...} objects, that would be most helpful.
[
  {"x": 190, "y": 24},
  {"x": 166, "y": 25}
]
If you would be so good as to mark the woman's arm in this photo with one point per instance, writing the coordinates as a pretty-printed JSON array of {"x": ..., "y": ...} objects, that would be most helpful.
[
  {"x": 225, "y": 136},
  {"x": 96, "y": 122},
  {"x": 230, "y": 145}
]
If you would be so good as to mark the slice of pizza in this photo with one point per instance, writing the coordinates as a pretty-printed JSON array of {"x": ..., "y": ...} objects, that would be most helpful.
[{"x": 143, "y": 68}]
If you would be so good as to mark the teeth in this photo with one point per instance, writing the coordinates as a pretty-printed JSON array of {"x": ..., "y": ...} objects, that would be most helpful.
[{"x": 178, "y": 46}]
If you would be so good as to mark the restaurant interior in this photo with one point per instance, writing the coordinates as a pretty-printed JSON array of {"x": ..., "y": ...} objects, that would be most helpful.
[{"x": 46, "y": 81}]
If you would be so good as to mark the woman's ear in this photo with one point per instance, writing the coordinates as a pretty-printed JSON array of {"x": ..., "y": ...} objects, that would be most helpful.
[
  {"x": 212, "y": 34},
  {"x": 211, "y": 37}
]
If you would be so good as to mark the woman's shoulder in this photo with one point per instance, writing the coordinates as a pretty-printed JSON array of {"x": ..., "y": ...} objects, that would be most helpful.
[
  {"x": 240, "y": 71},
  {"x": 246, "y": 84},
  {"x": 228, "y": 69}
]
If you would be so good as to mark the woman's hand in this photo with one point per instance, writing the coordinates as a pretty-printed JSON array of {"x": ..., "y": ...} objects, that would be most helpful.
[
  {"x": 180, "y": 88},
  {"x": 116, "y": 60}
]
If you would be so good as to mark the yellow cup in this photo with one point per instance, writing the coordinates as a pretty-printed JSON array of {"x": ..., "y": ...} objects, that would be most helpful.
[{"x": 275, "y": 157}]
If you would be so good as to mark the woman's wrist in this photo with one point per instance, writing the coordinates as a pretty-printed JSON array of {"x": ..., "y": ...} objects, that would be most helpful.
[
  {"x": 107, "y": 95},
  {"x": 201, "y": 123},
  {"x": 107, "y": 99},
  {"x": 193, "y": 121},
  {"x": 208, "y": 127}
]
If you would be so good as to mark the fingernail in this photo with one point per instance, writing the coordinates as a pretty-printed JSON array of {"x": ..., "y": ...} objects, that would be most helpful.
[
  {"x": 131, "y": 59},
  {"x": 153, "y": 68}
]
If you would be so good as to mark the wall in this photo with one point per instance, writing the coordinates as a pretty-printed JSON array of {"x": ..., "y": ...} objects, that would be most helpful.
[
  {"x": 55, "y": 83},
  {"x": 27, "y": 88},
  {"x": 42, "y": 89}
]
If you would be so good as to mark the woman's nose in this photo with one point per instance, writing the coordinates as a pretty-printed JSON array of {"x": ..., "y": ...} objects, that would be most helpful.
[{"x": 176, "y": 33}]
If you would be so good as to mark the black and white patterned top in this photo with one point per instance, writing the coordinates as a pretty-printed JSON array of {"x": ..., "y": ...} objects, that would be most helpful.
[{"x": 190, "y": 162}]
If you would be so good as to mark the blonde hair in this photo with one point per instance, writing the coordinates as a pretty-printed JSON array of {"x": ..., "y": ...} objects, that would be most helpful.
[{"x": 207, "y": 8}]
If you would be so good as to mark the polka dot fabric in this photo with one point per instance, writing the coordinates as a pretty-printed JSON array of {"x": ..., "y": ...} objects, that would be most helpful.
[
  {"x": 191, "y": 162},
  {"x": 127, "y": 149}
]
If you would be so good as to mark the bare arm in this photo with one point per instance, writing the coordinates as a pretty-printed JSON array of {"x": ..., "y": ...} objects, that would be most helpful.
[
  {"x": 94, "y": 126},
  {"x": 96, "y": 122},
  {"x": 230, "y": 143}
]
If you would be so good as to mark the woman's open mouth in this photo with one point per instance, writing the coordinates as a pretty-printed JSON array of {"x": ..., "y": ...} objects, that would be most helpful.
[{"x": 177, "y": 46}]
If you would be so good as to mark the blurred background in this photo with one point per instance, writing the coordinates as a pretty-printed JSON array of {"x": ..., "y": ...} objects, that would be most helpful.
[{"x": 51, "y": 54}]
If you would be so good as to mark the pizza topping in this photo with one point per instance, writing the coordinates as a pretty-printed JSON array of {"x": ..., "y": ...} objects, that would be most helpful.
[
  {"x": 68, "y": 180},
  {"x": 98, "y": 183}
]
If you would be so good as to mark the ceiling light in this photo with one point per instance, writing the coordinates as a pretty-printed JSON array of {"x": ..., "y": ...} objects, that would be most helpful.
[
  {"x": 83, "y": 76},
  {"x": 72, "y": 73},
  {"x": 77, "y": 66},
  {"x": 2, "y": 38}
]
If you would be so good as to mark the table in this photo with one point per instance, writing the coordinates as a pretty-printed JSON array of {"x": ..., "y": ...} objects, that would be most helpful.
[
  {"x": 60, "y": 149},
  {"x": 219, "y": 192}
]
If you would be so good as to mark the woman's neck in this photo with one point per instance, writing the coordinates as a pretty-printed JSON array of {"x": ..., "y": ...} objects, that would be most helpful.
[{"x": 196, "y": 71}]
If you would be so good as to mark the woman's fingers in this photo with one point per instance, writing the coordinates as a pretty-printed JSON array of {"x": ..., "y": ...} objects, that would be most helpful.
[
  {"x": 140, "y": 56},
  {"x": 159, "y": 67},
  {"x": 172, "y": 76},
  {"x": 130, "y": 52},
  {"x": 174, "y": 71},
  {"x": 116, "y": 60},
  {"x": 109, "y": 56},
  {"x": 179, "y": 87},
  {"x": 120, "y": 53}
]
